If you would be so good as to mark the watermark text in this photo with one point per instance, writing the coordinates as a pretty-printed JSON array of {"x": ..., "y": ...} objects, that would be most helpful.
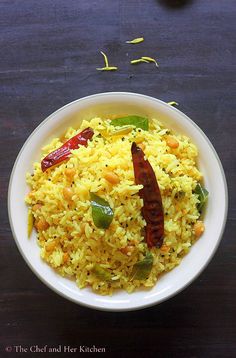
[{"x": 54, "y": 349}]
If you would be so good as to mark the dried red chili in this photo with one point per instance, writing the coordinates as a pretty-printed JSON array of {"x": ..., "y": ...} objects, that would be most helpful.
[
  {"x": 64, "y": 151},
  {"x": 152, "y": 210}
]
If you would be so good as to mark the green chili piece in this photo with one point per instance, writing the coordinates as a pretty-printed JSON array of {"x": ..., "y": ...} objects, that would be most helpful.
[
  {"x": 137, "y": 121},
  {"x": 30, "y": 223},
  {"x": 102, "y": 213},
  {"x": 142, "y": 269},
  {"x": 101, "y": 272},
  {"x": 202, "y": 196}
]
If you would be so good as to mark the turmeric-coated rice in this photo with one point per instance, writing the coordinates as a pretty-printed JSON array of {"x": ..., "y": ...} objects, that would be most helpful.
[{"x": 61, "y": 207}]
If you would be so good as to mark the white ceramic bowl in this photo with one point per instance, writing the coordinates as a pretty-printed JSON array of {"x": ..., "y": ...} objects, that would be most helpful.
[{"x": 118, "y": 103}]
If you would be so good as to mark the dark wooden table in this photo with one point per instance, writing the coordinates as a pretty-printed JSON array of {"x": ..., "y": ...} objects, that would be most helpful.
[{"x": 49, "y": 54}]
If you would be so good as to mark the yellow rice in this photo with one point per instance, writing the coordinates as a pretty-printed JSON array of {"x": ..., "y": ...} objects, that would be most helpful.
[{"x": 72, "y": 244}]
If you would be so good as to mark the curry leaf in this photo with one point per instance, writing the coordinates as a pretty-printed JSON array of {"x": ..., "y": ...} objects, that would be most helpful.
[
  {"x": 202, "y": 196},
  {"x": 101, "y": 272},
  {"x": 102, "y": 213},
  {"x": 142, "y": 269},
  {"x": 137, "y": 121}
]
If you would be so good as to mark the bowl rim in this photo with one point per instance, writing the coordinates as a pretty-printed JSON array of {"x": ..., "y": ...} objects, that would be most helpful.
[{"x": 144, "y": 305}]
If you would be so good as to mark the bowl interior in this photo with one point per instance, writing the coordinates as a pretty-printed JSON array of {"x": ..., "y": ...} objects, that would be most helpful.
[{"x": 103, "y": 105}]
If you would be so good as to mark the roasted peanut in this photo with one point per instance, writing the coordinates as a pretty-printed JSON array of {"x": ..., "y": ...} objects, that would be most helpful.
[
  {"x": 50, "y": 246},
  {"x": 165, "y": 248},
  {"x": 172, "y": 142},
  {"x": 31, "y": 193},
  {"x": 199, "y": 228},
  {"x": 63, "y": 139},
  {"x": 41, "y": 224},
  {"x": 41, "y": 238},
  {"x": 36, "y": 207},
  {"x": 127, "y": 250},
  {"x": 111, "y": 177},
  {"x": 142, "y": 146},
  {"x": 65, "y": 257},
  {"x": 67, "y": 193},
  {"x": 70, "y": 173}
]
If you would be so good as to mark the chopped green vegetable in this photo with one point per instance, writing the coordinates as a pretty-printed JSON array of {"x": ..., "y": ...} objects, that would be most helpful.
[
  {"x": 173, "y": 103},
  {"x": 102, "y": 213},
  {"x": 101, "y": 272},
  {"x": 139, "y": 60},
  {"x": 142, "y": 269},
  {"x": 144, "y": 59},
  {"x": 135, "y": 41},
  {"x": 137, "y": 121},
  {"x": 150, "y": 59},
  {"x": 107, "y": 67},
  {"x": 202, "y": 196},
  {"x": 105, "y": 59},
  {"x": 30, "y": 222}
]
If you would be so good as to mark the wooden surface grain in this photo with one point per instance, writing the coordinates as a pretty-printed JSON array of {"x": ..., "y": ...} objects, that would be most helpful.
[{"x": 49, "y": 53}]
